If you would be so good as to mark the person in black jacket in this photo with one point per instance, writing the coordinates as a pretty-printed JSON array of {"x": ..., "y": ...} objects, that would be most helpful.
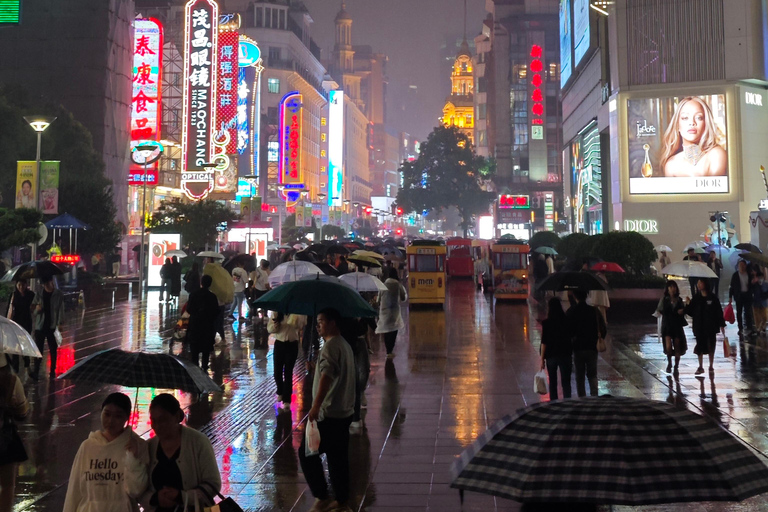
[
  {"x": 203, "y": 308},
  {"x": 556, "y": 349},
  {"x": 671, "y": 307},
  {"x": 585, "y": 324},
  {"x": 707, "y": 314},
  {"x": 740, "y": 290}
]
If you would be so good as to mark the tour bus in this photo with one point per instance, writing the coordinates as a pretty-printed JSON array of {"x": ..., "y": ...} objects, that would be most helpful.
[
  {"x": 459, "y": 261},
  {"x": 510, "y": 269},
  {"x": 426, "y": 272}
]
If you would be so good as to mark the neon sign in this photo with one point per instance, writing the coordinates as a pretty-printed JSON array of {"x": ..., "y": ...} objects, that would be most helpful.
[
  {"x": 291, "y": 176},
  {"x": 200, "y": 67},
  {"x": 537, "y": 96},
  {"x": 228, "y": 83},
  {"x": 145, "y": 97},
  {"x": 514, "y": 202},
  {"x": 69, "y": 259},
  {"x": 335, "y": 148}
]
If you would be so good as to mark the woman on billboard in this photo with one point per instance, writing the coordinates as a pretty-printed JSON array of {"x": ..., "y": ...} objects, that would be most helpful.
[{"x": 691, "y": 147}]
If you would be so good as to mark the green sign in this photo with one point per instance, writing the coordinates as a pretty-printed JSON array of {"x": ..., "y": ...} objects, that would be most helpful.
[{"x": 10, "y": 11}]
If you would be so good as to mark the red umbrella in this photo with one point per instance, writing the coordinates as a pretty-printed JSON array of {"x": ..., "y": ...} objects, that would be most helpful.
[{"x": 607, "y": 266}]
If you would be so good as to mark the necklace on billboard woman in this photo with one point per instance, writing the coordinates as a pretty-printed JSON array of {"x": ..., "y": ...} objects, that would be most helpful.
[{"x": 692, "y": 154}]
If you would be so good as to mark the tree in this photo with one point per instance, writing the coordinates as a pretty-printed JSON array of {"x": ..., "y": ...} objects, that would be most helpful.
[
  {"x": 630, "y": 249},
  {"x": 574, "y": 247},
  {"x": 333, "y": 231},
  {"x": 543, "y": 239},
  {"x": 447, "y": 173},
  {"x": 197, "y": 222},
  {"x": 293, "y": 234},
  {"x": 84, "y": 191},
  {"x": 18, "y": 227}
]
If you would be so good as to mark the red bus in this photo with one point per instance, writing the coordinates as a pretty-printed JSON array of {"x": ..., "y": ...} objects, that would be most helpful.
[{"x": 460, "y": 261}]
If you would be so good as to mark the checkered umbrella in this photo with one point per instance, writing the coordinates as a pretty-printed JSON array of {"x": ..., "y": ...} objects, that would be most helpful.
[
  {"x": 609, "y": 450},
  {"x": 141, "y": 370}
]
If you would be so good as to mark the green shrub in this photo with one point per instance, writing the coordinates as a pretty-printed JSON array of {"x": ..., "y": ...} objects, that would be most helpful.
[
  {"x": 6, "y": 290},
  {"x": 575, "y": 246},
  {"x": 630, "y": 249},
  {"x": 544, "y": 239}
]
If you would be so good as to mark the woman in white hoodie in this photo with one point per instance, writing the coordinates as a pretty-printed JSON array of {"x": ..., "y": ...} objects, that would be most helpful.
[
  {"x": 390, "y": 318},
  {"x": 109, "y": 473}
]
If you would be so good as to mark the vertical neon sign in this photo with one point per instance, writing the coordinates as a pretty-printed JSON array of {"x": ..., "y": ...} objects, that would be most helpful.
[
  {"x": 335, "y": 148},
  {"x": 537, "y": 96},
  {"x": 200, "y": 61},
  {"x": 289, "y": 165},
  {"x": 145, "y": 97},
  {"x": 227, "y": 82}
]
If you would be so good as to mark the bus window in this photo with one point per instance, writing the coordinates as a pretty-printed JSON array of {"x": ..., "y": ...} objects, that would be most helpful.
[
  {"x": 426, "y": 263},
  {"x": 512, "y": 261}
]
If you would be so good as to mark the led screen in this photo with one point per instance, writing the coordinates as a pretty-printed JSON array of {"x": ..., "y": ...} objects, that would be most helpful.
[
  {"x": 566, "y": 41},
  {"x": 677, "y": 145},
  {"x": 335, "y": 147},
  {"x": 580, "y": 30}
]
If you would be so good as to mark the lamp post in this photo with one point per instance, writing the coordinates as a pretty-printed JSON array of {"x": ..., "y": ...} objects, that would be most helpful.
[
  {"x": 144, "y": 154},
  {"x": 321, "y": 197},
  {"x": 345, "y": 217},
  {"x": 39, "y": 124}
]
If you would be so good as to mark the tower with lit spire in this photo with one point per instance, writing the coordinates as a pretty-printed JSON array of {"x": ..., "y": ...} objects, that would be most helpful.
[{"x": 459, "y": 109}]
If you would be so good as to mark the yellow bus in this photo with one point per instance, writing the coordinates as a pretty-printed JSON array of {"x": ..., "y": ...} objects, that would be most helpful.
[
  {"x": 426, "y": 272},
  {"x": 510, "y": 269}
]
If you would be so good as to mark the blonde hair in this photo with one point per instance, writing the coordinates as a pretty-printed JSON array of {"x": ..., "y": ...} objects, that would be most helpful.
[{"x": 673, "y": 143}]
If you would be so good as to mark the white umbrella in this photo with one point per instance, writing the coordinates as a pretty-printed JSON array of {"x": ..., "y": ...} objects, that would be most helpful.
[
  {"x": 325, "y": 277},
  {"x": 14, "y": 339},
  {"x": 292, "y": 271},
  {"x": 176, "y": 252},
  {"x": 363, "y": 282},
  {"x": 688, "y": 268},
  {"x": 210, "y": 254},
  {"x": 664, "y": 248}
]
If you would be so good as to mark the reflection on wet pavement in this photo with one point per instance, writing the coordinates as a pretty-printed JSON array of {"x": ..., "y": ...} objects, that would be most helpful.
[{"x": 455, "y": 373}]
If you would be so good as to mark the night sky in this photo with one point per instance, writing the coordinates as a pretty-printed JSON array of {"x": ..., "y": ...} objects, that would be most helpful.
[{"x": 410, "y": 32}]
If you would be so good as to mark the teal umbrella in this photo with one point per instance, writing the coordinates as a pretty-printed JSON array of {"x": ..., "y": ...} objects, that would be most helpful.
[
  {"x": 309, "y": 297},
  {"x": 546, "y": 250}
]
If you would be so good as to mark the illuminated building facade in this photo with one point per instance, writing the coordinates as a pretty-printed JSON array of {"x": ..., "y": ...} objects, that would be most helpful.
[{"x": 459, "y": 109}]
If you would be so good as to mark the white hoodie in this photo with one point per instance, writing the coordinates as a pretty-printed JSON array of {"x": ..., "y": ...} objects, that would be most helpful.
[{"x": 105, "y": 477}]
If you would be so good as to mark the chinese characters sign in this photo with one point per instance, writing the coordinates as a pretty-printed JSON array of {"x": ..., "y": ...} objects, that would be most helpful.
[
  {"x": 291, "y": 110},
  {"x": 200, "y": 65},
  {"x": 227, "y": 91},
  {"x": 147, "y": 63},
  {"x": 514, "y": 202},
  {"x": 536, "y": 69}
]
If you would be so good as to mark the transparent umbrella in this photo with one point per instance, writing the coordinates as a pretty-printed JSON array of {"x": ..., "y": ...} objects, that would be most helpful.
[{"x": 14, "y": 339}]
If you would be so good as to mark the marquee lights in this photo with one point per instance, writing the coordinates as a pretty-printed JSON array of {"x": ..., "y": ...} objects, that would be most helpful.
[
  {"x": 200, "y": 71},
  {"x": 145, "y": 108},
  {"x": 537, "y": 96},
  {"x": 227, "y": 96},
  {"x": 289, "y": 165}
]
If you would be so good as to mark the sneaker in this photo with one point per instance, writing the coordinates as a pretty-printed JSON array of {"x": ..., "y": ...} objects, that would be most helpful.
[
  {"x": 699, "y": 370},
  {"x": 326, "y": 505}
]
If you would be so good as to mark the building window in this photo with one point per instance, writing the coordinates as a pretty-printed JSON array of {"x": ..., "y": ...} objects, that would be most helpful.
[
  {"x": 267, "y": 16},
  {"x": 481, "y": 138},
  {"x": 274, "y": 17},
  {"x": 259, "y": 17},
  {"x": 273, "y": 85},
  {"x": 274, "y": 54},
  {"x": 282, "y": 19},
  {"x": 482, "y": 110},
  {"x": 553, "y": 75}
]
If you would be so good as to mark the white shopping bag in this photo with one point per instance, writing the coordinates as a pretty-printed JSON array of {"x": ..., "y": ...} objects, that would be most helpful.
[
  {"x": 540, "y": 384},
  {"x": 312, "y": 445},
  {"x": 57, "y": 335}
]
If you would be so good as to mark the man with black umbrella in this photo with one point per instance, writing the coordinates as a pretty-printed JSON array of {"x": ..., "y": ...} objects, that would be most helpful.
[
  {"x": 585, "y": 324},
  {"x": 48, "y": 313}
]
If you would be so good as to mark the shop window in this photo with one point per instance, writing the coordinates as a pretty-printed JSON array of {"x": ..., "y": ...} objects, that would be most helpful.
[{"x": 273, "y": 85}]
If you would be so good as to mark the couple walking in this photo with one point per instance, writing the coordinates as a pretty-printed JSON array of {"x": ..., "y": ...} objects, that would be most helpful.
[{"x": 569, "y": 339}]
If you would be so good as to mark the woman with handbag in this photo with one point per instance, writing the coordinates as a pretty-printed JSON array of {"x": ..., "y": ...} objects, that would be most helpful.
[
  {"x": 672, "y": 310},
  {"x": 556, "y": 348},
  {"x": 707, "y": 315},
  {"x": 13, "y": 407},
  {"x": 182, "y": 471}
]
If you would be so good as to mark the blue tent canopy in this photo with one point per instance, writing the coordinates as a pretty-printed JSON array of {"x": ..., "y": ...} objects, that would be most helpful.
[{"x": 66, "y": 221}]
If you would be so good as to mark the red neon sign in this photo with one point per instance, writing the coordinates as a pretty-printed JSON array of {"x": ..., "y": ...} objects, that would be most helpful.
[
  {"x": 226, "y": 95},
  {"x": 514, "y": 202},
  {"x": 537, "y": 96},
  {"x": 69, "y": 259}
]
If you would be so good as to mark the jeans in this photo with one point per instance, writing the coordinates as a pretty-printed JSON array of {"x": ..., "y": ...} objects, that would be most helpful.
[
  {"x": 565, "y": 364},
  {"x": 744, "y": 306},
  {"x": 586, "y": 363},
  {"x": 284, "y": 359},
  {"x": 53, "y": 347},
  {"x": 237, "y": 304},
  {"x": 389, "y": 341},
  {"x": 334, "y": 442}
]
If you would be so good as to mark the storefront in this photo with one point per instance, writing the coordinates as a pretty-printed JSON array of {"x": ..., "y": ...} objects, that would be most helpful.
[{"x": 583, "y": 181}]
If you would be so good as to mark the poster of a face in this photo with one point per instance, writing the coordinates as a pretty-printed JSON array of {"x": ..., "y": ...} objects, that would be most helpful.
[
  {"x": 26, "y": 184},
  {"x": 678, "y": 145}
]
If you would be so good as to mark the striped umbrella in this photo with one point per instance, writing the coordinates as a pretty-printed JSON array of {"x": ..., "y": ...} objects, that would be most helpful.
[{"x": 609, "y": 450}]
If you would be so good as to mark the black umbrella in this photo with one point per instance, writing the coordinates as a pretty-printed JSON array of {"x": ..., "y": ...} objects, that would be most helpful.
[
  {"x": 746, "y": 246},
  {"x": 318, "y": 249},
  {"x": 327, "y": 269},
  {"x": 248, "y": 261},
  {"x": 563, "y": 281},
  {"x": 337, "y": 249},
  {"x": 40, "y": 269}
]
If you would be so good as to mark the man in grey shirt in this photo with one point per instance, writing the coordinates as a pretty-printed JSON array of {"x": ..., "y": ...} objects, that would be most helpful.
[{"x": 333, "y": 404}]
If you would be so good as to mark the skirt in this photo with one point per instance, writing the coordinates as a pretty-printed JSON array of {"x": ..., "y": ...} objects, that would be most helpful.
[
  {"x": 678, "y": 346},
  {"x": 705, "y": 344}
]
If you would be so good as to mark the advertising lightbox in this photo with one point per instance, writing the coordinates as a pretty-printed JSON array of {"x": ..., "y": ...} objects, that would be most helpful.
[
  {"x": 581, "y": 30},
  {"x": 678, "y": 145},
  {"x": 227, "y": 87},
  {"x": 335, "y": 148},
  {"x": 566, "y": 42},
  {"x": 159, "y": 244}
]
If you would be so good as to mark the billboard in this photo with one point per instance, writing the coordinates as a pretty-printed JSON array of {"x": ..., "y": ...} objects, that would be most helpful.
[
  {"x": 335, "y": 148},
  {"x": 227, "y": 87},
  {"x": 159, "y": 244},
  {"x": 581, "y": 30},
  {"x": 678, "y": 145},
  {"x": 145, "y": 99},
  {"x": 200, "y": 67},
  {"x": 49, "y": 187},
  {"x": 26, "y": 184},
  {"x": 566, "y": 42}
]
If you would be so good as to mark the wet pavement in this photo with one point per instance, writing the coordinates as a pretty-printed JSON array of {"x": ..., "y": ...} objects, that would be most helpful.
[{"x": 455, "y": 373}]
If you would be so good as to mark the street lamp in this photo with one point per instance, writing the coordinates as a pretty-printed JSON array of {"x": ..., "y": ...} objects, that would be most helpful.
[
  {"x": 321, "y": 196},
  {"x": 39, "y": 124},
  {"x": 145, "y": 153}
]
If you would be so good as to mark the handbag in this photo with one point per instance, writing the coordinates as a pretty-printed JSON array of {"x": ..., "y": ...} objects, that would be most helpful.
[
  {"x": 540, "y": 384},
  {"x": 728, "y": 314},
  {"x": 726, "y": 347},
  {"x": 225, "y": 505}
]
